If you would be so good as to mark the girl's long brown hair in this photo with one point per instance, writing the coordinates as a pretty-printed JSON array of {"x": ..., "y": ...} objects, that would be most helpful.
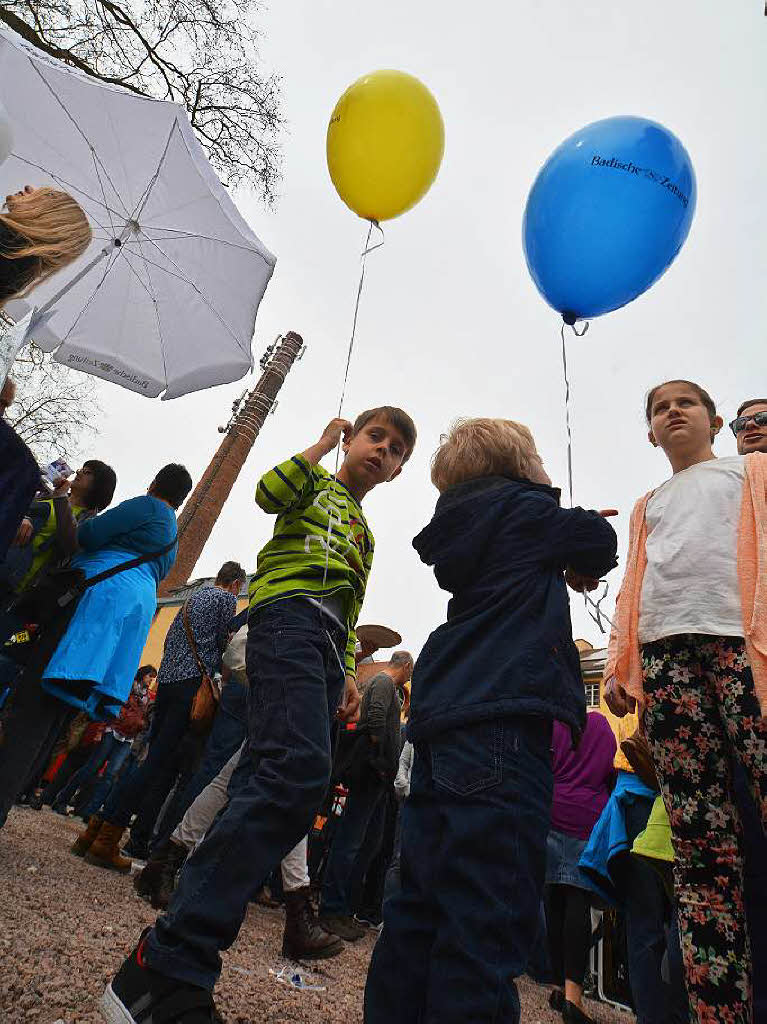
[{"x": 45, "y": 230}]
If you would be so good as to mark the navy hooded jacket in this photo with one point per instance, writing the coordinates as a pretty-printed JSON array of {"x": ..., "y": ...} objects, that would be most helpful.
[{"x": 500, "y": 547}]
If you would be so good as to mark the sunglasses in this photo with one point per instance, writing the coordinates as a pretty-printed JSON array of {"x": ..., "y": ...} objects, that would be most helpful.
[{"x": 740, "y": 423}]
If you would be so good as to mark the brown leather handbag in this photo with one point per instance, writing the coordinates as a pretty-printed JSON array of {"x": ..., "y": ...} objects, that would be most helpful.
[
  {"x": 206, "y": 698},
  {"x": 636, "y": 750}
]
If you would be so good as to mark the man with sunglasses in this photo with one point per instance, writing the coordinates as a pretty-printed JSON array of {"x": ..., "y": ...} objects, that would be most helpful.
[
  {"x": 750, "y": 430},
  {"x": 750, "y": 426}
]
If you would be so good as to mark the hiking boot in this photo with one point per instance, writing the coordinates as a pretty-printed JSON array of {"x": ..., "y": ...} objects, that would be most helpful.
[
  {"x": 104, "y": 851},
  {"x": 303, "y": 938},
  {"x": 85, "y": 839},
  {"x": 139, "y": 995},
  {"x": 146, "y": 881},
  {"x": 166, "y": 885},
  {"x": 342, "y": 925}
]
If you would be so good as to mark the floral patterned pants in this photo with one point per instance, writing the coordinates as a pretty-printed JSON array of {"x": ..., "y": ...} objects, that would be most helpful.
[{"x": 701, "y": 710}]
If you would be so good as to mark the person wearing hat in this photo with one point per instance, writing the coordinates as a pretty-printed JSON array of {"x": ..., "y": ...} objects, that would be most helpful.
[{"x": 370, "y": 772}]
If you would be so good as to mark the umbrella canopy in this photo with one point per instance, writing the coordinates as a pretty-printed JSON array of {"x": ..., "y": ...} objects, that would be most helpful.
[{"x": 174, "y": 276}]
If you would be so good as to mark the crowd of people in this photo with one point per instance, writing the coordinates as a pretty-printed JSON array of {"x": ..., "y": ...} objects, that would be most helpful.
[{"x": 475, "y": 822}]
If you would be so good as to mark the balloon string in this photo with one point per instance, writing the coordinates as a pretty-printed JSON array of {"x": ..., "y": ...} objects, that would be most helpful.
[
  {"x": 368, "y": 248},
  {"x": 567, "y": 405},
  {"x": 597, "y": 615}
]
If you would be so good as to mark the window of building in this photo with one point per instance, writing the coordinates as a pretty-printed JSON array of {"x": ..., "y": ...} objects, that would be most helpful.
[{"x": 592, "y": 695}]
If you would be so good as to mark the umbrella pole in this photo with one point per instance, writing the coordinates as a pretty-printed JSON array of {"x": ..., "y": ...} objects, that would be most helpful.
[{"x": 116, "y": 243}]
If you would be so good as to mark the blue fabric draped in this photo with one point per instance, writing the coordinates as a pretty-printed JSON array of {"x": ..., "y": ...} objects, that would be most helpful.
[
  {"x": 104, "y": 641},
  {"x": 609, "y": 840}
]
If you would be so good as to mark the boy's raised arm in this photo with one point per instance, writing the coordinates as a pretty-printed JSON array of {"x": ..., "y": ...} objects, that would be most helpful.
[
  {"x": 282, "y": 487},
  {"x": 583, "y": 541}
]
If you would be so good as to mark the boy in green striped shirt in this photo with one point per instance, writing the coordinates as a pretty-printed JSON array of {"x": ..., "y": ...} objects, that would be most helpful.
[
  {"x": 304, "y": 601},
  {"x": 322, "y": 547}
]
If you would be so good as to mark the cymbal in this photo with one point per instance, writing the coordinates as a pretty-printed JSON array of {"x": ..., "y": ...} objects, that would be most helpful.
[{"x": 377, "y": 636}]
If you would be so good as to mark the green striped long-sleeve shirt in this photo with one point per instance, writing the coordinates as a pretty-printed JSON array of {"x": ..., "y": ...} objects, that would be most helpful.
[{"x": 322, "y": 544}]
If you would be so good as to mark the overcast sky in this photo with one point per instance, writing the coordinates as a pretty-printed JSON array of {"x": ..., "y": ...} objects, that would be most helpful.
[{"x": 451, "y": 324}]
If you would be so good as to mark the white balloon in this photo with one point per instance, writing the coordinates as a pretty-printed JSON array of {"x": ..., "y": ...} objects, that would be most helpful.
[{"x": 6, "y": 134}]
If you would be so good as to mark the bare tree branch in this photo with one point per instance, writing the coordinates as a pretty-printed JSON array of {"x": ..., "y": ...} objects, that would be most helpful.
[
  {"x": 55, "y": 408},
  {"x": 202, "y": 53}
]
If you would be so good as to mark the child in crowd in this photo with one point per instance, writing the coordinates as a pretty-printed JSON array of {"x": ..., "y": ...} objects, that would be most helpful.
[
  {"x": 691, "y": 648},
  {"x": 486, "y": 688},
  {"x": 304, "y": 601}
]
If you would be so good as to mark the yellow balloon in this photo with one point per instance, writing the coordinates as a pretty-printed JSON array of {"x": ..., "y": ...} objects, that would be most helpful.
[{"x": 385, "y": 143}]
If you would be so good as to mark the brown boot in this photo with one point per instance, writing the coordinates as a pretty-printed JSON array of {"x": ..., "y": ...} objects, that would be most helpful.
[
  {"x": 105, "y": 849},
  {"x": 84, "y": 840},
  {"x": 303, "y": 938}
]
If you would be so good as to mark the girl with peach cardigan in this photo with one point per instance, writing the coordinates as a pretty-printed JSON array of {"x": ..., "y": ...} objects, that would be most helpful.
[{"x": 689, "y": 646}]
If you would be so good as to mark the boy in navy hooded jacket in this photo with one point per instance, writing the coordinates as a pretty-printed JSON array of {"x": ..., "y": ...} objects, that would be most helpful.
[{"x": 485, "y": 690}]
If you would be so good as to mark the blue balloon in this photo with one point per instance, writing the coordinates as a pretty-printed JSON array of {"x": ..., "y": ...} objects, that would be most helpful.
[{"x": 607, "y": 214}]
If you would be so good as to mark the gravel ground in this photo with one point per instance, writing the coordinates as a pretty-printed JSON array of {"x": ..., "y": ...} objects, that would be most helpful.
[{"x": 65, "y": 927}]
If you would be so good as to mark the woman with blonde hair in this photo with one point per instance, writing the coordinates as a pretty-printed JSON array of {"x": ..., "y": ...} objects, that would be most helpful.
[{"x": 42, "y": 231}]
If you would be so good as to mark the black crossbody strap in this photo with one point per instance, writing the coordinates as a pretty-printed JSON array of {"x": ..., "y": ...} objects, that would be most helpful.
[
  {"x": 80, "y": 588},
  {"x": 191, "y": 640}
]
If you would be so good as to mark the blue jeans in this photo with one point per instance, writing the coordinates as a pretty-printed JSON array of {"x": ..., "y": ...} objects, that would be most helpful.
[
  {"x": 109, "y": 751},
  {"x": 364, "y": 800},
  {"x": 472, "y": 865},
  {"x": 145, "y": 791},
  {"x": 647, "y": 936},
  {"x": 226, "y": 737},
  {"x": 295, "y": 670}
]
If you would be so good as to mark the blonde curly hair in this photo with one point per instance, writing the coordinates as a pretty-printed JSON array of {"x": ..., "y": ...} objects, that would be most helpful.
[{"x": 484, "y": 447}]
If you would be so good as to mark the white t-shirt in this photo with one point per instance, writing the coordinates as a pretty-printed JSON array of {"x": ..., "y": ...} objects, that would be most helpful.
[{"x": 691, "y": 581}]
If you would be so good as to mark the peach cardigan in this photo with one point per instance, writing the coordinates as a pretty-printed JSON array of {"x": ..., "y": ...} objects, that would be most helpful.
[{"x": 623, "y": 658}]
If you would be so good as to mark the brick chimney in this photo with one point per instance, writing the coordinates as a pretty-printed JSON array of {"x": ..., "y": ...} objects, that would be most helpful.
[{"x": 204, "y": 505}]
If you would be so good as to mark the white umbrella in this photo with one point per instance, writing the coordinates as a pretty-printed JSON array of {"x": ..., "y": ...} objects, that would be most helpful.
[{"x": 165, "y": 299}]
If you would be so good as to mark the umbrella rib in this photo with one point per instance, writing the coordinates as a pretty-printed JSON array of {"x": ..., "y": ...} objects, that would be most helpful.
[
  {"x": 87, "y": 141},
  {"x": 138, "y": 277},
  {"x": 144, "y": 198},
  {"x": 204, "y": 297},
  {"x": 178, "y": 233},
  {"x": 69, "y": 184},
  {"x": 157, "y": 314},
  {"x": 110, "y": 263},
  {"x": 103, "y": 192},
  {"x": 165, "y": 270}
]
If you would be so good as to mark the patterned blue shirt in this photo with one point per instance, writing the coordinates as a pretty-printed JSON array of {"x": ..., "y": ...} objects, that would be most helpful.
[{"x": 210, "y": 611}]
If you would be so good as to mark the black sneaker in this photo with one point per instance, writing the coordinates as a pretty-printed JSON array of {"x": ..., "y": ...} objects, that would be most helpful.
[{"x": 139, "y": 995}]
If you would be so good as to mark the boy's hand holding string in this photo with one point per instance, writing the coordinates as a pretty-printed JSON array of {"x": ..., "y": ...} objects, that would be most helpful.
[
  {"x": 337, "y": 430},
  {"x": 575, "y": 580}
]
